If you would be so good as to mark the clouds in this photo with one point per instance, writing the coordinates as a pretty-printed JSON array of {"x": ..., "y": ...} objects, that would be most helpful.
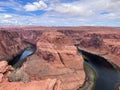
[
  {"x": 72, "y": 9},
  {"x": 75, "y": 8},
  {"x": 7, "y": 16},
  {"x": 60, "y": 12},
  {"x": 35, "y": 6},
  {"x": 51, "y": 20},
  {"x": 89, "y": 8},
  {"x": 81, "y": 8},
  {"x": 107, "y": 5},
  {"x": 12, "y": 4}
]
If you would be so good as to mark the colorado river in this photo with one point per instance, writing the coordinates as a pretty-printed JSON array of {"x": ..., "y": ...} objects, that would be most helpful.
[
  {"x": 107, "y": 76},
  {"x": 18, "y": 61}
]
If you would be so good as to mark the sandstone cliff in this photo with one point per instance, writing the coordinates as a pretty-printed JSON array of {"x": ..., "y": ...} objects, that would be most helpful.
[
  {"x": 56, "y": 57},
  {"x": 13, "y": 42},
  {"x": 56, "y": 64},
  {"x": 104, "y": 41}
]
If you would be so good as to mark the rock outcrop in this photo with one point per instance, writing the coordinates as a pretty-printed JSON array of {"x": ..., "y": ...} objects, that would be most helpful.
[
  {"x": 56, "y": 64},
  {"x": 10, "y": 44},
  {"x": 104, "y": 41},
  {"x": 56, "y": 57},
  {"x": 13, "y": 42},
  {"x": 48, "y": 84},
  {"x": 5, "y": 70}
]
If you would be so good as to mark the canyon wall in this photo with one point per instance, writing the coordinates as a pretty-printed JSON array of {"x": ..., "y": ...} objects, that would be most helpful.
[
  {"x": 104, "y": 41},
  {"x": 56, "y": 64}
]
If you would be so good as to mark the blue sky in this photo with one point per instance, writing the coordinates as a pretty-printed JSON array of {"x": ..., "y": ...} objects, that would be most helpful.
[{"x": 60, "y": 12}]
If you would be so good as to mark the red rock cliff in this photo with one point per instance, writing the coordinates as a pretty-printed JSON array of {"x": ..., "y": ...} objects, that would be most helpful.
[
  {"x": 56, "y": 64},
  {"x": 56, "y": 57}
]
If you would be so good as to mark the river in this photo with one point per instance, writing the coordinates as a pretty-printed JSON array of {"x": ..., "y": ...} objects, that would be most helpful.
[
  {"x": 18, "y": 61},
  {"x": 107, "y": 75}
]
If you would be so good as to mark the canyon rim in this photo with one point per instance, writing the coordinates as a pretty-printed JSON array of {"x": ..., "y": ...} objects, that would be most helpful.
[{"x": 56, "y": 63}]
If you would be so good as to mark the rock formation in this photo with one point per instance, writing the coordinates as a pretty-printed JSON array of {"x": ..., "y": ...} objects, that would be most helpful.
[
  {"x": 56, "y": 57},
  {"x": 104, "y": 41},
  {"x": 13, "y": 42},
  {"x": 5, "y": 70},
  {"x": 48, "y": 84},
  {"x": 10, "y": 44},
  {"x": 56, "y": 64}
]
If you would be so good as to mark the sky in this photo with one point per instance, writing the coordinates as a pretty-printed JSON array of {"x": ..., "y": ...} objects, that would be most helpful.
[{"x": 60, "y": 12}]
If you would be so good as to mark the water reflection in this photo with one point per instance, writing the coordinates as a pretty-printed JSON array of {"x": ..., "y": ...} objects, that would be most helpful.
[
  {"x": 20, "y": 59},
  {"x": 107, "y": 75}
]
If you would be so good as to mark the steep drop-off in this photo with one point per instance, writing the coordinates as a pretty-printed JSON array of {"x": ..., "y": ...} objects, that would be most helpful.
[
  {"x": 55, "y": 64},
  {"x": 104, "y": 41}
]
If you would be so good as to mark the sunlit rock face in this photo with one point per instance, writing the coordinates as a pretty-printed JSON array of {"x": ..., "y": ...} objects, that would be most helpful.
[
  {"x": 13, "y": 42},
  {"x": 10, "y": 44},
  {"x": 48, "y": 84},
  {"x": 104, "y": 41},
  {"x": 5, "y": 70},
  {"x": 56, "y": 64},
  {"x": 56, "y": 57}
]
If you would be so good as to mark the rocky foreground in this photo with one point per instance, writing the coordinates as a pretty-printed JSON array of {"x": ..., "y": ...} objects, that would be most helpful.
[{"x": 56, "y": 64}]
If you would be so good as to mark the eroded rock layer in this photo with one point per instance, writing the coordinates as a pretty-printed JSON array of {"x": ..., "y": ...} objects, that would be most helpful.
[
  {"x": 56, "y": 57},
  {"x": 104, "y": 41},
  {"x": 55, "y": 64}
]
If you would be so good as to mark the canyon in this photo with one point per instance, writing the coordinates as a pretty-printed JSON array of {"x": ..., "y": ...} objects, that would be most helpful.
[{"x": 56, "y": 64}]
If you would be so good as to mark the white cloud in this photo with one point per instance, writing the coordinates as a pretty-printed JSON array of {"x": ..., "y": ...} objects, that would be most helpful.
[
  {"x": 89, "y": 8},
  {"x": 35, "y": 6},
  {"x": 80, "y": 12},
  {"x": 47, "y": 20},
  {"x": 72, "y": 9},
  {"x": 105, "y": 5},
  {"x": 7, "y": 16},
  {"x": 86, "y": 8}
]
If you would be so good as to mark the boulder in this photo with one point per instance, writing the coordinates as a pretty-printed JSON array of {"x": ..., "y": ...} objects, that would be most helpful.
[
  {"x": 5, "y": 70},
  {"x": 3, "y": 66}
]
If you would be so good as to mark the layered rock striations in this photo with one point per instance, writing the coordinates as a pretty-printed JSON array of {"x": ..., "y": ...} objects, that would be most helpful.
[
  {"x": 10, "y": 44},
  {"x": 13, "y": 42},
  {"x": 6, "y": 71},
  {"x": 56, "y": 64},
  {"x": 56, "y": 57},
  {"x": 104, "y": 41}
]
